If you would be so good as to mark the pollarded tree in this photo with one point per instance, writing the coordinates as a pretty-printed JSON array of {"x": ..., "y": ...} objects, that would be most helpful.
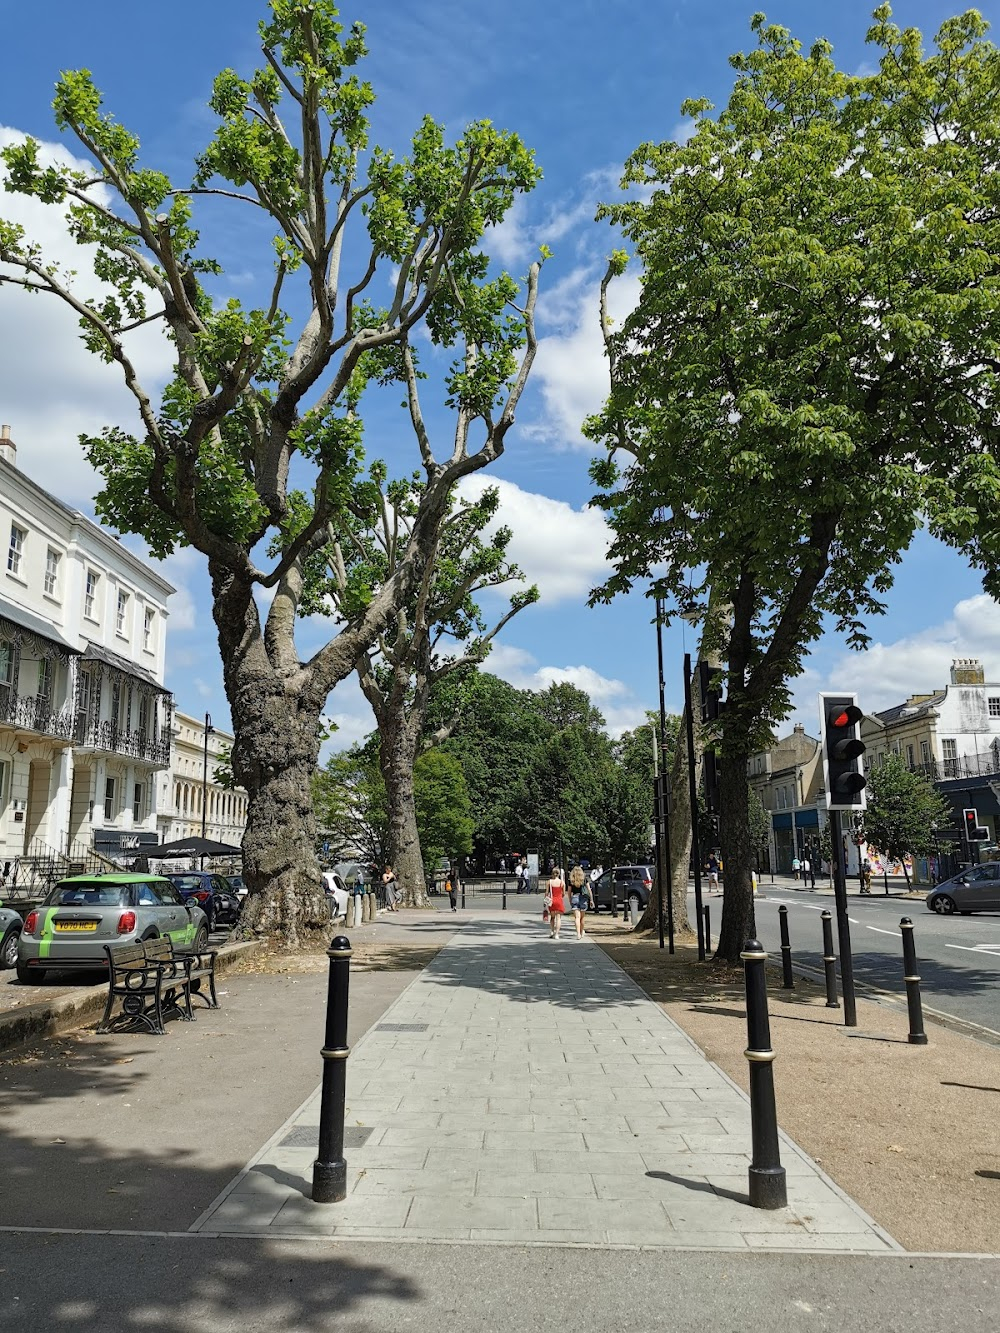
[
  {"x": 438, "y": 631},
  {"x": 813, "y": 368},
  {"x": 266, "y": 398},
  {"x": 903, "y": 812}
]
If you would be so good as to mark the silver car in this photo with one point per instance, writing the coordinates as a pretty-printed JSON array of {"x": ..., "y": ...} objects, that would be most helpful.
[
  {"x": 85, "y": 912},
  {"x": 10, "y": 928},
  {"x": 974, "y": 890}
]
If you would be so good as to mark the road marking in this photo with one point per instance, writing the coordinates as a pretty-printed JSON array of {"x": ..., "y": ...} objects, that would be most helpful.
[
  {"x": 881, "y": 931},
  {"x": 992, "y": 949}
]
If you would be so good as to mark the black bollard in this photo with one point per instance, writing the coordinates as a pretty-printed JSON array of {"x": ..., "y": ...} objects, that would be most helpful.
[
  {"x": 614, "y": 901},
  {"x": 787, "y": 979},
  {"x": 829, "y": 962},
  {"x": 708, "y": 928},
  {"x": 917, "y": 1035},
  {"x": 329, "y": 1183},
  {"x": 505, "y": 895},
  {"x": 767, "y": 1175},
  {"x": 463, "y": 895}
]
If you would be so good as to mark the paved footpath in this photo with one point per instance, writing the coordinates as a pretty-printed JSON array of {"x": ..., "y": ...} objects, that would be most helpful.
[{"x": 526, "y": 1091}]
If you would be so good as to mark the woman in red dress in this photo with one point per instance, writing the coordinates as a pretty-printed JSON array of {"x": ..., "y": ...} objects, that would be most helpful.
[{"x": 555, "y": 901}]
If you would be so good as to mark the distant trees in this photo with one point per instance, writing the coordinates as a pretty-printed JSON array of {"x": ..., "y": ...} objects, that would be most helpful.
[{"x": 902, "y": 812}]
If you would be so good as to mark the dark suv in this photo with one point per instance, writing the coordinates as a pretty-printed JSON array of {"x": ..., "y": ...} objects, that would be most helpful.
[
  {"x": 628, "y": 882},
  {"x": 212, "y": 894}
]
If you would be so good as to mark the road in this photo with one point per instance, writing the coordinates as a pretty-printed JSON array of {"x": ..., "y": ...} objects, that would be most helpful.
[{"x": 958, "y": 956}]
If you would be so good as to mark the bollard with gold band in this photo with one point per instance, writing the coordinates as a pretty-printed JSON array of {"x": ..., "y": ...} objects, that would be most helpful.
[
  {"x": 787, "y": 976},
  {"x": 767, "y": 1175},
  {"x": 829, "y": 962},
  {"x": 329, "y": 1183},
  {"x": 917, "y": 1036}
]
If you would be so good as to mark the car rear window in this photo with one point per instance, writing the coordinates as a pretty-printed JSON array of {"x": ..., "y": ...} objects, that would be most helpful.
[
  {"x": 186, "y": 881},
  {"x": 88, "y": 895}
]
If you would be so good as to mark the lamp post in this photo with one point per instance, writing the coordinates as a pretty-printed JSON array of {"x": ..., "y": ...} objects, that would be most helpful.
[{"x": 204, "y": 783}]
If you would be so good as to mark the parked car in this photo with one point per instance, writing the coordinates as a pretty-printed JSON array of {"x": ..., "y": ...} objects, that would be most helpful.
[
  {"x": 629, "y": 882},
  {"x": 10, "y": 929},
  {"x": 336, "y": 892},
  {"x": 237, "y": 885},
  {"x": 976, "y": 889},
  {"x": 212, "y": 894},
  {"x": 83, "y": 913}
]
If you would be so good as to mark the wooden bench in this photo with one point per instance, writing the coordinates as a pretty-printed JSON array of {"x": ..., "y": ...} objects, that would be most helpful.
[{"x": 150, "y": 979}]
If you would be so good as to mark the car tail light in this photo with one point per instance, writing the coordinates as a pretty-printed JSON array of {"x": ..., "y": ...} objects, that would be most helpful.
[
  {"x": 30, "y": 923},
  {"x": 126, "y": 923},
  {"x": 202, "y": 895},
  {"x": 647, "y": 883}
]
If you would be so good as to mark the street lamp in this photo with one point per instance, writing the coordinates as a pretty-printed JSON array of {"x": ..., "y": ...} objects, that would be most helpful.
[{"x": 204, "y": 783}]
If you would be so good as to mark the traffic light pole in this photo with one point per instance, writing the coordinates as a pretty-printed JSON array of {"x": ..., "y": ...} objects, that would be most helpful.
[{"x": 843, "y": 923}]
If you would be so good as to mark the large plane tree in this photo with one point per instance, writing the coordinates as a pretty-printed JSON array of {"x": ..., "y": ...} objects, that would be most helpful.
[{"x": 369, "y": 253}]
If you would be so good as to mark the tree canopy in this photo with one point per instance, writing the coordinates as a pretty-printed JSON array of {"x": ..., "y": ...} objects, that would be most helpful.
[{"x": 811, "y": 372}]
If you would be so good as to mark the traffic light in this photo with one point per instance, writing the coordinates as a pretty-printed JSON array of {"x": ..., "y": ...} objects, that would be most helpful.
[
  {"x": 711, "y": 698},
  {"x": 974, "y": 831},
  {"x": 843, "y": 748}
]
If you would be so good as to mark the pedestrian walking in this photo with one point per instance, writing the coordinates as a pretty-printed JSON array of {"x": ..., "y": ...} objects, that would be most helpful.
[
  {"x": 581, "y": 898},
  {"x": 812, "y": 872},
  {"x": 712, "y": 867},
  {"x": 866, "y": 876},
  {"x": 522, "y": 877},
  {"x": 555, "y": 901},
  {"x": 451, "y": 889},
  {"x": 391, "y": 888},
  {"x": 806, "y": 869},
  {"x": 796, "y": 865}
]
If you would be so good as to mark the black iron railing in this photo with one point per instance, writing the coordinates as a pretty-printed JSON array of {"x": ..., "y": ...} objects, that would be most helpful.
[{"x": 30, "y": 712}]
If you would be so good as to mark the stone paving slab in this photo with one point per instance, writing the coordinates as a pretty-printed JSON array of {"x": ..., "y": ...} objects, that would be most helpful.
[{"x": 548, "y": 1101}]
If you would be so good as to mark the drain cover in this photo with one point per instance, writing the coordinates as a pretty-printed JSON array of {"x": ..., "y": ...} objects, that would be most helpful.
[
  {"x": 402, "y": 1027},
  {"x": 307, "y": 1136}
]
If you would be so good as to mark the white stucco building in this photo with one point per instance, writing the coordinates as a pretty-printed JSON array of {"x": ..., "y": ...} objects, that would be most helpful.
[
  {"x": 189, "y": 779},
  {"x": 85, "y": 719}
]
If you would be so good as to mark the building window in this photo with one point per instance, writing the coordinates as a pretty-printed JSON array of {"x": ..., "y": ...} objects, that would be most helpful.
[
  {"x": 143, "y": 715},
  {"x": 44, "y": 678},
  {"x": 51, "y": 572},
  {"x": 949, "y": 754},
  {"x": 109, "y": 799},
  {"x": 137, "y": 803},
  {"x": 121, "y": 616},
  {"x": 925, "y": 752},
  {"x": 6, "y": 663},
  {"x": 147, "y": 629},
  {"x": 16, "y": 548},
  {"x": 994, "y": 705},
  {"x": 90, "y": 595},
  {"x": 909, "y": 756}
]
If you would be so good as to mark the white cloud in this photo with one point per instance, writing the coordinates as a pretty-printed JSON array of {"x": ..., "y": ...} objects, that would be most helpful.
[
  {"x": 562, "y": 549},
  {"x": 52, "y": 388},
  {"x": 571, "y": 370},
  {"x": 180, "y": 568},
  {"x": 348, "y": 708},
  {"x": 622, "y": 711},
  {"x": 888, "y": 673}
]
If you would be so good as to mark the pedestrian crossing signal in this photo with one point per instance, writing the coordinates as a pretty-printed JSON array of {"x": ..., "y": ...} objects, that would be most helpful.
[{"x": 974, "y": 831}]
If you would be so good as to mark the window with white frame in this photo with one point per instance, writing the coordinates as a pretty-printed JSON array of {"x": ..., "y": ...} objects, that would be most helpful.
[
  {"x": 949, "y": 755},
  {"x": 137, "y": 803},
  {"x": 15, "y": 550},
  {"x": 909, "y": 756},
  {"x": 121, "y": 615},
  {"x": 44, "y": 678},
  {"x": 6, "y": 663},
  {"x": 148, "y": 623},
  {"x": 90, "y": 594},
  {"x": 925, "y": 752},
  {"x": 52, "y": 558},
  {"x": 109, "y": 799}
]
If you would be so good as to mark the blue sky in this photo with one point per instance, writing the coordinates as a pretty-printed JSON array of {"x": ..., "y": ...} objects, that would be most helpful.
[{"x": 583, "y": 83}]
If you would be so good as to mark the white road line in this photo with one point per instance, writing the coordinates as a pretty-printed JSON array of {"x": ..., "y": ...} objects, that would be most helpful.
[
  {"x": 881, "y": 931},
  {"x": 992, "y": 949}
]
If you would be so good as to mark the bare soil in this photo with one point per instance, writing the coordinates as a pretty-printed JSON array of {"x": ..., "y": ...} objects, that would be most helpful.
[{"x": 911, "y": 1132}]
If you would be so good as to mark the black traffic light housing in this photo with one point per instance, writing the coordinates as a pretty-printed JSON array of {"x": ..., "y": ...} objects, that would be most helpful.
[
  {"x": 843, "y": 750},
  {"x": 974, "y": 831}
]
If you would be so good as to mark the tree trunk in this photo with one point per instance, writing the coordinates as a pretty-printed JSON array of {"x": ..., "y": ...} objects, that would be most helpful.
[
  {"x": 680, "y": 842},
  {"x": 738, "y": 923},
  {"x": 276, "y": 723},
  {"x": 397, "y": 752}
]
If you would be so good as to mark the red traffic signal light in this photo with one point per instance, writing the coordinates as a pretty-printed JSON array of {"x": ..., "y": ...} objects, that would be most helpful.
[
  {"x": 974, "y": 831},
  {"x": 843, "y": 747}
]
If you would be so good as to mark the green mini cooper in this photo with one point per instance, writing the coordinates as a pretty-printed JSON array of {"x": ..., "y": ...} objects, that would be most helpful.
[{"x": 85, "y": 912}]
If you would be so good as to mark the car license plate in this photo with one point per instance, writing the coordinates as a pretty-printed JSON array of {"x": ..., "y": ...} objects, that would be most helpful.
[{"x": 74, "y": 927}]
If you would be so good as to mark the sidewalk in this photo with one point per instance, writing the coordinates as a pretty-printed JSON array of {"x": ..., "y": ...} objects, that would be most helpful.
[{"x": 526, "y": 1091}]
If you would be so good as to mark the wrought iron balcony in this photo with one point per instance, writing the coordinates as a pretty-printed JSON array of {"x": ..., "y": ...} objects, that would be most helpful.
[
  {"x": 108, "y": 736},
  {"x": 30, "y": 712}
]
